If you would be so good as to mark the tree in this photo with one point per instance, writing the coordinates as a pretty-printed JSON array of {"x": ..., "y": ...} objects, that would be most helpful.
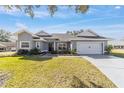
[
  {"x": 4, "y": 35},
  {"x": 29, "y": 9},
  {"x": 109, "y": 49}
]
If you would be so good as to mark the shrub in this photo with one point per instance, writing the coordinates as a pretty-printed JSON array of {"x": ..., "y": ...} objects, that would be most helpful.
[
  {"x": 108, "y": 49},
  {"x": 53, "y": 52},
  {"x": 23, "y": 52},
  {"x": 67, "y": 52},
  {"x": 34, "y": 51},
  {"x": 73, "y": 51}
]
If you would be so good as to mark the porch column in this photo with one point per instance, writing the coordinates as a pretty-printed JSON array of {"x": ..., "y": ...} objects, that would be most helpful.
[
  {"x": 54, "y": 45},
  {"x": 71, "y": 46},
  {"x": 103, "y": 48}
]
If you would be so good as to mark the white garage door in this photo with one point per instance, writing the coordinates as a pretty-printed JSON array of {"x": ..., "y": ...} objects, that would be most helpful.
[{"x": 89, "y": 47}]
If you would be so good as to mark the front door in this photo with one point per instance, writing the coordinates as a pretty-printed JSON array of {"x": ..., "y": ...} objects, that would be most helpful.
[{"x": 51, "y": 46}]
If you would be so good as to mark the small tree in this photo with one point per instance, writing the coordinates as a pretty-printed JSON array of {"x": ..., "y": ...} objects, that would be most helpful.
[
  {"x": 4, "y": 35},
  {"x": 109, "y": 48}
]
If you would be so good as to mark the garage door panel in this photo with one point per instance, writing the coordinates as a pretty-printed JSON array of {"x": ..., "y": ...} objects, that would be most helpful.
[{"x": 89, "y": 47}]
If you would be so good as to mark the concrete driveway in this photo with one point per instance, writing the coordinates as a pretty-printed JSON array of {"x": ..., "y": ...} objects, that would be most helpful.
[{"x": 112, "y": 67}]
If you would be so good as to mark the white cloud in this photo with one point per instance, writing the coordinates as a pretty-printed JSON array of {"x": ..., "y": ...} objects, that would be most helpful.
[
  {"x": 41, "y": 14},
  {"x": 73, "y": 24},
  {"x": 117, "y": 7},
  {"x": 13, "y": 11},
  {"x": 21, "y": 26},
  {"x": 58, "y": 14}
]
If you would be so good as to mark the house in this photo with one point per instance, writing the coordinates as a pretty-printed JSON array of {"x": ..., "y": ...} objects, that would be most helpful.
[
  {"x": 87, "y": 42},
  {"x": 7, "y": 46},
  {"x": 117, "y": 44}
]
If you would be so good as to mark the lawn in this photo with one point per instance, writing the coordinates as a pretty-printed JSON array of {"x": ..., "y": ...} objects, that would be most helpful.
[
  {"x": 64, "y": 72},
  {"x": 118, "y": 52}
]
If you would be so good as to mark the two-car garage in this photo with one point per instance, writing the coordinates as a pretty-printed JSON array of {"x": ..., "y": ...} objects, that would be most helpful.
[{"x": 89, "y": 47}]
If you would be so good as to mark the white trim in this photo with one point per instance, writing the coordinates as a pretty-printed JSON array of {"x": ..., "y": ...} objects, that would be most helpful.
[
  {"x": 54, "y": 46},
  {"x": 90, "y": 40},
  {"x": 25, "y": 48},
  {"x": 103, "y": 48},
  {"x": 71, "y": 46}
]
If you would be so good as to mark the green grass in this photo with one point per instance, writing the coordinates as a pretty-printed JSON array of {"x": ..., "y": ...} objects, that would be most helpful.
[
  {"x": 118, "y": 52},
  {"x": 64, "y": 72}
]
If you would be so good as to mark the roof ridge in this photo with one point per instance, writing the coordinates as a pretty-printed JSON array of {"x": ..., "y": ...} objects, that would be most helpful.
[{"x": 92, "y": 32}]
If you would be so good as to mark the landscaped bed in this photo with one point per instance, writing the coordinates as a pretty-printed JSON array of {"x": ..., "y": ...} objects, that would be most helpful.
[{"x": 29, "y": 71}]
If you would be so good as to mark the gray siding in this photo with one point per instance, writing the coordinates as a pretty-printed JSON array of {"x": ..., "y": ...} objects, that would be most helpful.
[
  {"x": 43, "y": 45},
  {"x": 24, "y": 37}
]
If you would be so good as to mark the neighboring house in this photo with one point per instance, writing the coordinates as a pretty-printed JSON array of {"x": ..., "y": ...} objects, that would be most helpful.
[
  {"x": 7, "y": 46},
  {"x": 117, "y": 44},
  {"x": 87, "y": 42}
]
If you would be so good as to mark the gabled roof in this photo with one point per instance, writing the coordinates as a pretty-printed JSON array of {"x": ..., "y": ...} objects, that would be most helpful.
[
  {"x": 87, "y": 33},
  {"x": 23, "y": 30},
  {"x": 42, "y": 33}
]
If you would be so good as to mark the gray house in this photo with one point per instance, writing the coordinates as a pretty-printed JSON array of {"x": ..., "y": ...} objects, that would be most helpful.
[
  {"x": 86, "y": 42},
  {"x": 117, "y": 44},
  {"x": 7, "y": 46}
]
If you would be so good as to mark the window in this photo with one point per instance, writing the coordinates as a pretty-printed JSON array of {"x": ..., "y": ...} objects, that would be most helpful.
[
  {"x": 62, "y": 46},
  {"x": 25, "y": 44},
  {"x": 2, "y": 49},
  {"x": 37, "y": 44}
]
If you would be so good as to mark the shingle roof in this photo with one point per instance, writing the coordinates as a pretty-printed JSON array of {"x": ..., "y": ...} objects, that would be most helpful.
[
  {"x": 42, "y": 33},
  {"x": 87, "y": 33},
  {"x": 68, "y": 37},
  {"x": 1, "y": 46},
  {"x": 63, "y": 37},
  {"x": 8, "y": 44}
]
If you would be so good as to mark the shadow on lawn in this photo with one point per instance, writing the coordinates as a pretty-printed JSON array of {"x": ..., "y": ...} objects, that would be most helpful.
[
  {"x": 35, "y": 58},
  {"x": 77, "y": 83}
]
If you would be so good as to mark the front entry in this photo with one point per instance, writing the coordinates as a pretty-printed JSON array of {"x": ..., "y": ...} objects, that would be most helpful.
[{"x": 51, "y": 46}]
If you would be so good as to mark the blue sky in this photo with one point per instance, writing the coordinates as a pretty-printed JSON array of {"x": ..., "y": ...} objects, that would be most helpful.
[{"x": 104, "y": 20}]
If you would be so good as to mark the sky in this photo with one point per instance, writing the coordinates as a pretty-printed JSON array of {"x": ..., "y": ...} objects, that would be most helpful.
[{"x": 106, "y": 20}]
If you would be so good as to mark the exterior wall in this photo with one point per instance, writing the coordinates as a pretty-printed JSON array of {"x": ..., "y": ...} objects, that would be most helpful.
[
  {"x": 43, "y": 45},
  {"x": 24, "y": 37}
]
